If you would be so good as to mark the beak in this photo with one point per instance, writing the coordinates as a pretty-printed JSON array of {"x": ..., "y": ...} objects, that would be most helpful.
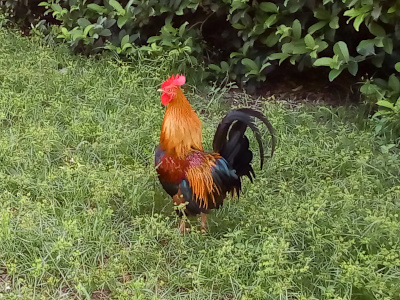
[{"x": 159, "y": 90}]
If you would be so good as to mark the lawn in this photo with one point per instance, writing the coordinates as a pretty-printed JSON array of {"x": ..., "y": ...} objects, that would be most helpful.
[{"x": 82, "y": 215}]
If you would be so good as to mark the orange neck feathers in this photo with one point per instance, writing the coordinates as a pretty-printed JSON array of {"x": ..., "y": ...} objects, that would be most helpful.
[{"x": 181, "y": 128}]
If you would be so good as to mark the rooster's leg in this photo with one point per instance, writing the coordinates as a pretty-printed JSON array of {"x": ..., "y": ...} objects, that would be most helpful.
[
  {"x": 182, "y": 226},
  {"x": 203, "y": 222},
  {"x": 179, "y": 200}
]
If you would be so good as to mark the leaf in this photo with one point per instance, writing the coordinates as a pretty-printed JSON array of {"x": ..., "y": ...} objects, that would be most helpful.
[
  {"x": 257, "y": 30},
  {"x": 323, "y": 61},
  {"x": 322, "y": 13},
  {"x": 296, "y": 29},
  {"x": 193, "y": 60},
  {"x": 62, "y": 36},
  {"x": 109, "y": 22},
  {"x": 274, "y": 56},
  {"x": 299, "y": 49},
  {"x": 397, "y": 67},
  {"x": 385, "y": 103},
  {"x": 129, "y": 4},
  {"x": 310, "y": 42},
  {"x": 83, "y": 22},
  {"x": 251, "y": 72},
  {"x": 381, "y": 113},
  {"x": 378, "y": 59},
  {"x": 317, "y": 26},
  {"x": 246, "y": 47},
  {"x": 381, "y": 83},
  {"x": 270, "y": 21},
  {"x": 271, "y": 40},
  {"x": 215, "y": 68},
  {"x": 322, "y": 45},
  {"x": 65, "y": 31},
  {"x": 56, "y": 7},
  {"x": 334, "y": 23},
  {"x": 125, "y": 40},
  {"x": 238, "y": 26},
  {"x": 250, "y": 64},
  {"x": 122, "y": 20},
  {"x": 353, "y": 68},
  {"x": 97, "y": 8},
  {"x": 392, "y": 9},
  {"x": 376, "y": 12},
  {"x": 296, "y": 47},
  {"x": 267, "y": 64},
  {"x": 294, "y": 6},
  {"x": 126, "y": 46},
  {"x": 368, "y": 88},
  {"x": 388, "y": 45},
  {"x": 376, "y": 29},
  {"x": 350, "y": 13},
  {"x": 313, "y": 54},
  {"x": 153, "y": 39},
  {"x": 282, "y": 60},
  {"x": 358, "y": 21},
  {"x": 334, "y": 73},
  {"x": 182, "y": 29},
  {"x": 366, "y": 47},
  {"x": 105, "y": 32},
  {"x": 115, "y": 4},
  {"x": 386, "y": 148},
  {"x": 224, "y": 66},
  {"x": 394, "y": 83},
  {"x": 280, "y": 56},
  {"x": 87, "y": 29},
  {"x": 378, "y": 41},
  {"x": 340, "y": 48},
  {"x": 269, "y": 7},
  {"x": 236, "y": 54}
]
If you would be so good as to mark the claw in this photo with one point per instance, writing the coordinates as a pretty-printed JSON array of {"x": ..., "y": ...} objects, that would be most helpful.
[{"x": 182, "y": 227}]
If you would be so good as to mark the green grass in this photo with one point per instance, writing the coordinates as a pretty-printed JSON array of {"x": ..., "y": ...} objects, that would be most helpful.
[{"x": 82, "y": 213}]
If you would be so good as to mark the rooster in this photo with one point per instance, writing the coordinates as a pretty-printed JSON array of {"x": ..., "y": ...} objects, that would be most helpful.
[{"x": 196, "y": 180}]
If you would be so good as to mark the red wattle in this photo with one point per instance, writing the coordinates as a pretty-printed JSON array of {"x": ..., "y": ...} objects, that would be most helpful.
[{"x": 165, "y": 99}]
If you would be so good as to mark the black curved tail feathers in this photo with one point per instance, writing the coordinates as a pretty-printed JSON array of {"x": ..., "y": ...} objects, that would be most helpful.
[{"x": 231, "y": 142}]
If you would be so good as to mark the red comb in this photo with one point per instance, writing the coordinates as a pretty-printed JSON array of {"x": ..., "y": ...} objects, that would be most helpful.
[{"x": 176, "y": 80}]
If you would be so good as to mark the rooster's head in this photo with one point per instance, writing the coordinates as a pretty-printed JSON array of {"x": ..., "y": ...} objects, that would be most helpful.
[{"x": 169, "y": 88}]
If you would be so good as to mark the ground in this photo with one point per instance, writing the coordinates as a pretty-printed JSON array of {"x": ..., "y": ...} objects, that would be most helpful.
[{"x": 83, "y": 216}]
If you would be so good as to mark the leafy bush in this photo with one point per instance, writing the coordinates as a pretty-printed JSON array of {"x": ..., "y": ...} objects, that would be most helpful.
[
  {"x": 241, "y": 40},
  {"x": 127, "y": 27},
  {"x": 334, "y": 34},
  {"x": 386, "y": 95},
  {"x": 22, "y": 11},
  {"x": 313, "y": 34}
]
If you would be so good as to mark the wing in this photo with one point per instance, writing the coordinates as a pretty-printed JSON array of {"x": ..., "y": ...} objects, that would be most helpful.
[{"x": 208, "y": 178}]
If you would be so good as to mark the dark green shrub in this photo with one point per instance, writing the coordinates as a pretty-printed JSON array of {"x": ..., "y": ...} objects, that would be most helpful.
[
  {"x": 386, "y": 95},
  {"x": 129, "y": 28},
  {"x": 23, "y": 12},
  {"x": 335, "y": 34}
]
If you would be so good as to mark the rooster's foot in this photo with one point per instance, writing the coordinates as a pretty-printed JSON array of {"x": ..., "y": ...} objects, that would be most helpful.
[{"x": 182, "y": 227}]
